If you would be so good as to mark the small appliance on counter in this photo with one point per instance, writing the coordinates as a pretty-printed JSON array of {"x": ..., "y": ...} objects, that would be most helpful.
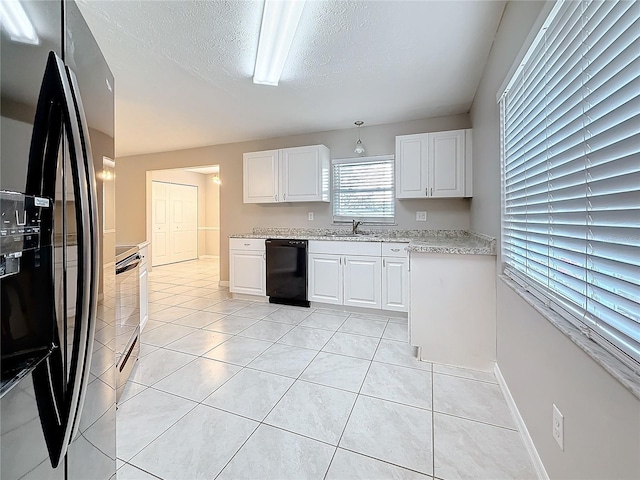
[
  {"x": 127, "y": 313},
  {"x": 287, "y": 271}
]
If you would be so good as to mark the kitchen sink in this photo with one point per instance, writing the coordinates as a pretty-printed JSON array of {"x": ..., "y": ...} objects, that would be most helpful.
[{"x": 355, "y": 235}]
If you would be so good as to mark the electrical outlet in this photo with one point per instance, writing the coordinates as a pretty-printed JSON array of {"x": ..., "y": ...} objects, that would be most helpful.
[
  {"x": 421, "y": 216},
  {"x": 310, "y": 216},
  {"x": 558, "y": 426}
]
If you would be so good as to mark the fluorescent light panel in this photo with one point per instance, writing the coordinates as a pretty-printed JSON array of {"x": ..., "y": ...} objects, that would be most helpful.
[
  {"x": 15, "y": 20},
  {"x": 279, "y": 23}
]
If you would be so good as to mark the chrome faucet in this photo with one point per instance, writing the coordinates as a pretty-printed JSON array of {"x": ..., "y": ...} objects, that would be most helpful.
[{"x": 354, "y": 227}]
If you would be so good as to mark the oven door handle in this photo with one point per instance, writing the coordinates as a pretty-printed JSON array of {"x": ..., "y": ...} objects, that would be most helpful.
[{"x": 129, "y": 266}]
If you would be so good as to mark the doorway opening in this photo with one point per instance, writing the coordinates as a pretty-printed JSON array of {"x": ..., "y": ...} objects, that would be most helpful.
[{"x": 183, "y": 214}]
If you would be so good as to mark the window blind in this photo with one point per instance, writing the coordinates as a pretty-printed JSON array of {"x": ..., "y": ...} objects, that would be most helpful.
[
  {"x": 363, "y": 189},
  {"x": 570, "y": 142}
]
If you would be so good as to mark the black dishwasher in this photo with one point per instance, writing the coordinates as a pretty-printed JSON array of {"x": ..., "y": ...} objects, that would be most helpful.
[{"x": 287, "y": 271}]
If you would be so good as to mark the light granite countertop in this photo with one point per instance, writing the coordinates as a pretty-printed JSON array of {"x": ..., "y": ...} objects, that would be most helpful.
[{"x": 419, "y": 241}]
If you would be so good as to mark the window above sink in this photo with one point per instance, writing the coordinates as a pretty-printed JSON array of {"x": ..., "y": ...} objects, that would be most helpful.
[{"x": 363, "y": 189}]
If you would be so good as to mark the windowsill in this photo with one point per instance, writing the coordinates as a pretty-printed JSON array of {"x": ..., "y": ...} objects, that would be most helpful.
[{"x": 616, "y": 368}]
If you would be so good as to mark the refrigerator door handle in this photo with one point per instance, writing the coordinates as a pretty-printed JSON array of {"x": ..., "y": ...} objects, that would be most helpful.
[
  {"x": 90, "y": 249},
  {"x": 57, "y": 402},
  {"x": 83, "y": 324}
]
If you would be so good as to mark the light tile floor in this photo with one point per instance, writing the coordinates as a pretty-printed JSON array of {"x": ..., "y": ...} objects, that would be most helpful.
[{"x": 231, "y": 389}]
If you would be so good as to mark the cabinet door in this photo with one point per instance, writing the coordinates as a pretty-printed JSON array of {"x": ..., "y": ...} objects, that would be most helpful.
[
  {"x": 247, "y": 272},
  {"x": 362, "y": 279},
  {"x": 325, "y": 278},
  {"x": 412, "y": 161},
  {"x": 447, "y": 159},
  {"x": 395, "y": 284},
  {"x": 260, "y": 177},
  {"x": 301, "y": 174}
]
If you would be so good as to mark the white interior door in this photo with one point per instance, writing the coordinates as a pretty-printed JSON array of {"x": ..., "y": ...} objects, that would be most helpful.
[
  {"x": 160, "y": 223},
  {"x": 177, "y": 220},
  {"x": 189, "y": 221},
  {"x": 175, "y": 223}
]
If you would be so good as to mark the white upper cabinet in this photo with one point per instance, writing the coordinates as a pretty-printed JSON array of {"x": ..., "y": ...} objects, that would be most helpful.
[
  {"x": 434, "y": 165},
  {"x": 304, "y": 174},
  {"x": 446, "y": 150},
  {"x": 298, "y": 174},
  {"x": 260, "y": 176},
  {"x": 412, "y": 166}
]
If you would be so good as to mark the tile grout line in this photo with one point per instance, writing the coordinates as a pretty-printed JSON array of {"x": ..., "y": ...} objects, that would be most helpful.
[
  {"x": 296, "y": 379},
  {"x": 477, "y": 421},
  {"x": 353, "y": 407},
  {"x": 433, "y": 427},
  {"x": 385, "y": 461},
  {"x": 138, "y": 468},
  {"x": 158, "y": 436},
  {"x": 269, "y": 412}
]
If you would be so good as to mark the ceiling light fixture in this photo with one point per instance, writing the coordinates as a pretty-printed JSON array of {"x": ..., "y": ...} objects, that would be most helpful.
[
  {"x": 216, "y": 179},
  {"x": 15, "y": 20},
  {"x": 279, "y": 23},
  {"x": 359, "y": 146}
]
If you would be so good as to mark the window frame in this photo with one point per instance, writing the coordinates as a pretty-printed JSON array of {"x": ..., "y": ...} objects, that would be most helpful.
[
  {"x": 552, "y": 300},
  {"x": 370, "y": 220}
]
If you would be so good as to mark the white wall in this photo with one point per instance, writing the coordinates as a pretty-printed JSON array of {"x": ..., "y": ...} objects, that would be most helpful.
[
  {"x": 238, "y": 217},
  {"x": 212, "y": 218},
  {"x": 539, "y": 363}
]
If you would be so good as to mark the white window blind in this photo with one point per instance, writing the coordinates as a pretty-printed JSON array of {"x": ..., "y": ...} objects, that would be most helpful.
[
  {"x": 571, "y": 170},
  {"x": 363, "y": 189}
]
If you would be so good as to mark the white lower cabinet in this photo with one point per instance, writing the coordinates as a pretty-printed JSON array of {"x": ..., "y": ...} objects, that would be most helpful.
[
  {"x": 325, "y": 278},
  {"x": 362, "y": 277},
  {"x": 395, "y": 284},
  {"x": 359, "y": 274},
  {"x": 247, "y": 266},
  {"x": 453, "y": 309}
]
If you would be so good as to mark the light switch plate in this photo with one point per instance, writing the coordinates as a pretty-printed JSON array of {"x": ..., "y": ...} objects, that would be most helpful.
[
  {"x": 421, "y": 216},
  {"x": 310, "y": 216}
]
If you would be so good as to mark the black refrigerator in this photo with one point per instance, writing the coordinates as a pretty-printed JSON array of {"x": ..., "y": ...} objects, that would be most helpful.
[{"x": 57, "y": 391}]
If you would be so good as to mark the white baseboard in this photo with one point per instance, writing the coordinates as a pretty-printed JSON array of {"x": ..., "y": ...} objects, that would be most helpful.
[
  {"x": 522, "y": 428},
  {"x": 223, "y": 283},
  {"x": 251, "y": 298},
  {"x": 208, "y": 256}
]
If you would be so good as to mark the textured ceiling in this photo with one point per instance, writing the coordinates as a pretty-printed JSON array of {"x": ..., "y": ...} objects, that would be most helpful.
[{"x": 183, "y": 68}]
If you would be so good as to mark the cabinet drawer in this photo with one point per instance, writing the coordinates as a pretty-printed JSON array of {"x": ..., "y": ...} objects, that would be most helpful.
[
  {"x": 246, "y": 244},
  {"x": 394, "y": 249},
  {"x": 346, "y": 248}
]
